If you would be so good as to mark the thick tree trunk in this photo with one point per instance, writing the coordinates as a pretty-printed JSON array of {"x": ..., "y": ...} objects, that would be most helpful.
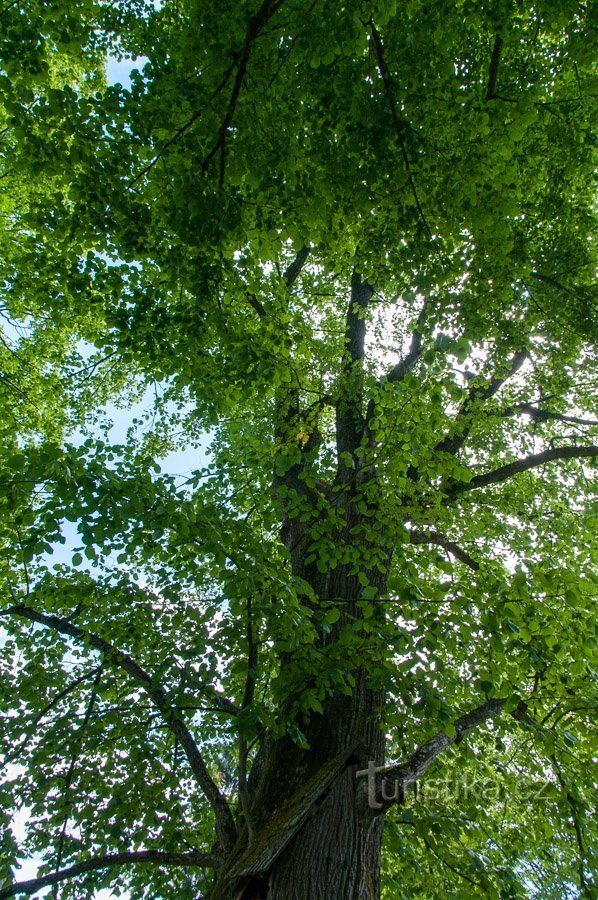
[{"x": 334, "y": 854}]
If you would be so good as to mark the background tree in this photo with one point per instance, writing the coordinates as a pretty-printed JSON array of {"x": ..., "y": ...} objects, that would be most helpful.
[{"x": 348, "y": 244}]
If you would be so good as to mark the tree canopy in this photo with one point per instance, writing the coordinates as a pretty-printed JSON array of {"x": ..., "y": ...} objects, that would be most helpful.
[{"x": 347, "y": 248}]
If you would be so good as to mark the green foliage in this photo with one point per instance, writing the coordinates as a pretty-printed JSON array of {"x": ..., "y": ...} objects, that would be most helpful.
[{"x": 147, "y": 249}]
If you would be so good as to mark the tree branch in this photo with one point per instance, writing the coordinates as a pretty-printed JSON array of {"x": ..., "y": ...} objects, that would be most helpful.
[
  {"x": 405, "y": 774},
  {"x": 225, "y": 825},
  {"x": 78, "y": 742},
  {"x": 546, "y": 415},
  {"x": 252, "y": 663},
  {"x": 254, "y": 27},
  {"x": 573, "y": 806},
  {"x": 405, "y": 365},
  {"x": 14, "y": 754},
  {"x": 293, "y": 271},
  {"x": 389, "y": 89},
  {"x": 554, "y": 283},
  {"x": 159, "y": 857},
  {"x": 349, "y": 413},
  {"x": 433, "y": 537},
  {"x": 452, "y": 443},
  {"x": 522, "y": 465},
  {"x": 180, "y": 132},
  {"x": 255, "y": 303},
  {"x": 290, "y": 275},
  {"x": 494, "y": 65}
]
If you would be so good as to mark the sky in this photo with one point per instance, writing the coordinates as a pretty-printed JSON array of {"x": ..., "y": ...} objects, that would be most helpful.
[{"x": 119, "y": 71}]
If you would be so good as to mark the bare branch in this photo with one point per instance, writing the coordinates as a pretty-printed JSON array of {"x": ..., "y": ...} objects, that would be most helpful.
[
  {"x": 433, "y": 537},
  {"x": 225, "y": 825},
  {"x": 522, "y": 465},
  {"x": 161, "y": 858}
]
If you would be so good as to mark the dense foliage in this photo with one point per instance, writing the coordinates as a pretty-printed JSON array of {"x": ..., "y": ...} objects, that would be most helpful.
[{"x": 345, "y": 247}]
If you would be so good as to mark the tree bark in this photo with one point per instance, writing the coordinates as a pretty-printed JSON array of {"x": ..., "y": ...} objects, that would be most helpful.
[
  {"x": 335, "y": 855},
  {"x": 335, "y": 851}
]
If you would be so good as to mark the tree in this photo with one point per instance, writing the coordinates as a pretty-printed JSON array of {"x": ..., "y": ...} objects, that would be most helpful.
[{"x": 348, "y": 246}]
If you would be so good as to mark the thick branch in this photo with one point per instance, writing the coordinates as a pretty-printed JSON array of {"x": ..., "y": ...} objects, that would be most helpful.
[
  {"x": 410, "y": 360},
  {"x": 289, "y": 277},
  {"x": 294, "y": 270},
  {"x": 522, "y": 465},
  {"x": 494, "y": 65},
  {"x": 159, "y": 857},
  {"x": 407, "y": 773},
  {"x": 349, "y": 412},
  {"x": 225, "y": 825},
  {"x": 546, "y": 415},
  {"x": 433, "y": 537},
  {"x": 355, "y": 324},
  {"x": 255, "y": 303}
]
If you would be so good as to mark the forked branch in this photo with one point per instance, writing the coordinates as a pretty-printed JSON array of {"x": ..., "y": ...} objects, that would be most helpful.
[
  {"x": 547, "y": 415},
  {"x": 453, "y": 442},
  {"x": 389, "y": 89},
  {"x": 433, "y": 537},
  {"x": 254, "y": 27}
]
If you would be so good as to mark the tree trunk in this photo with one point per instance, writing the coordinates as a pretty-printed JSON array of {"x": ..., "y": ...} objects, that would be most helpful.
[{"x": 335, "y": 853}]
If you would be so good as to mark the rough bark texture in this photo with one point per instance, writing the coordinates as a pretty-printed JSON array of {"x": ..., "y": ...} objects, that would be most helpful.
[
  {"x": 335, "y": 854},
  {"x": 335, "y": 850},
  {"x": 330, "y": 847}
]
